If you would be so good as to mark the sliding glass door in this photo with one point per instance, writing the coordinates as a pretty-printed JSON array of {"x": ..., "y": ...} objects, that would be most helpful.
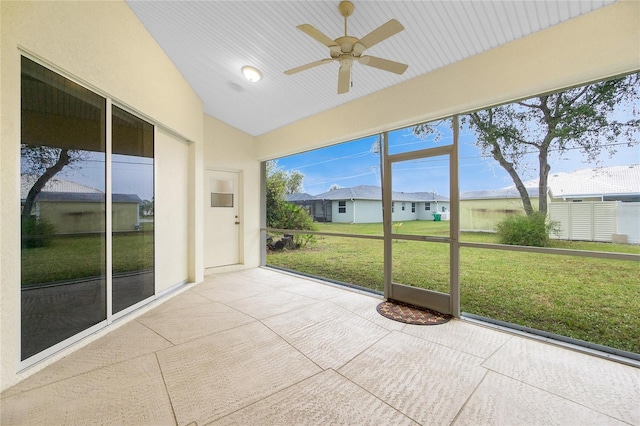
[
  {"x": 63, "y": 180},
  {"x": 131, "y": 209},
  {"x": 66, "y": 198}
]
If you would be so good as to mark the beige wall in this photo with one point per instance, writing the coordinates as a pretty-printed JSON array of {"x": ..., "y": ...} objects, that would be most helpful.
[
  {"x": 104, "y": 46},
  {"x": 593, "y": 46},
  {"x": 231, "y": 150}
]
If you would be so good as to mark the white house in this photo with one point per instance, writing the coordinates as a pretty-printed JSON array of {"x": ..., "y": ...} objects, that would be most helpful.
[
  {"x": 363, "y": 204},
  {"x": 613, "y": 183},
  {"x": 597, "y": 204}
]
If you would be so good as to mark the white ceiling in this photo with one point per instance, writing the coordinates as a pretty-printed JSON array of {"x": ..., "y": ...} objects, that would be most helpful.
[{"x": 210, "y": 41}]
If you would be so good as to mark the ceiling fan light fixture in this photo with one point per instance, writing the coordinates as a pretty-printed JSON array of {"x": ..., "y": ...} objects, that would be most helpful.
[{"x": 251, "y": 73}]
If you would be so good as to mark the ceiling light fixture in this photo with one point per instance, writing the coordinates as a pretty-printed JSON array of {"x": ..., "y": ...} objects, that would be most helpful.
[{"x": 252, "y": 74}]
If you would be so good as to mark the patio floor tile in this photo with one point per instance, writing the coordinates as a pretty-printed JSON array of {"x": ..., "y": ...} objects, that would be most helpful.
[
  {"x": 610, "y": 388},
  {"x": 131, "y": 392},
  {"x": 425, "y": 381},
  {"x": 324, "y": 399},
  {"x": 218, "y": 374},
  {"x": 500, "y": 400}
]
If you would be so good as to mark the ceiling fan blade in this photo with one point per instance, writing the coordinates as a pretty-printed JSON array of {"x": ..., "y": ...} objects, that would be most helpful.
[
  {"x": 381, "y": 33},
  {"x": 307, "y": 66},
  {"x": 383, "y": 64},
  {"x": 318, "y": 35},
  {"x": 344, "y": 77}
]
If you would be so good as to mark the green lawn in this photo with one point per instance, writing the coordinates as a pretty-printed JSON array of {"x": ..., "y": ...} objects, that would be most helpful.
[
  {"x": 77, "y": 257},
  {"x": 596, "y": 300}
]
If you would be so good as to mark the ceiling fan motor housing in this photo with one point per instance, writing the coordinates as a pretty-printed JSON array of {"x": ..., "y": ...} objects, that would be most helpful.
[{"x": 345, "y": 8}]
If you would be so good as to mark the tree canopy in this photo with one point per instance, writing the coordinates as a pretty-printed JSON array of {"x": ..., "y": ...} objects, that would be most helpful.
[
  {"x": 281, "y": 214},
  {"x": 44, "y": 162},
  {"x": 595, "y": 119}
]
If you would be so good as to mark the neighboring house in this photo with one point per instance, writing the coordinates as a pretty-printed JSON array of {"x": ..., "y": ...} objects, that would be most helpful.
[
  {"x": 597, "y": 204},
  {"x": 73, "y": 208},
  {"x": 615, "y": 183},
  {"x": 363, "y": 204},
  {"x": 318, "y": 209},
  {"x": 53, "y": 185},
  {"x": 481, "y": 210}
]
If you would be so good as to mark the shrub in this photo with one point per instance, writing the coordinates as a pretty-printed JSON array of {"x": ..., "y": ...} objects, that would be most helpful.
[
  {"x": 290, "y": 216},
  {"x": 531, "y": 230},
  {"x": 36, "y": 233}
]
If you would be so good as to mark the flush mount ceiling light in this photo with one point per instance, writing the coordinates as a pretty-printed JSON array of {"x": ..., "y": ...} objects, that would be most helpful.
[{"x": 252, "y": 74}]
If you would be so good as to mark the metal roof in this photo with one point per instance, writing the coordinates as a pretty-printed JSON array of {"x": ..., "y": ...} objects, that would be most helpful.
[
  {"x": 600, "y": 181},
  {"x": 54, "y": 185},
  {"x": 370, "y": 192}
]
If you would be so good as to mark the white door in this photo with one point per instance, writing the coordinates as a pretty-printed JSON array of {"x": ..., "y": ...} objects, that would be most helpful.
[{"x": 221, "y": 219}]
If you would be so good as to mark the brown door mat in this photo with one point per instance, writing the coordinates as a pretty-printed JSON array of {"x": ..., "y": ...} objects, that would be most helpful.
[{"x": 403, "y": 312}]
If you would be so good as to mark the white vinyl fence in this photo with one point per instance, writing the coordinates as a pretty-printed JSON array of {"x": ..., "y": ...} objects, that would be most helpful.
[{"x": 597, "y": 221}]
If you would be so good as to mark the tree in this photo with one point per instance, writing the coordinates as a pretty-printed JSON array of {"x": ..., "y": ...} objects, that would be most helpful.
[
  {"x": 280, "y": 213},
  {"x": 44, "y": 162},
  {"x": 584, "y": 118},
  {"x": 146, "y": 208}
]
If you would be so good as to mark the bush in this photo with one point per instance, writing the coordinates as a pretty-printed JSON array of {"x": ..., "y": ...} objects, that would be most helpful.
[
  {"x": 36, "y": 233},
  {"x": 531, "y": 230},
  {"x": 290, "y": 216}
]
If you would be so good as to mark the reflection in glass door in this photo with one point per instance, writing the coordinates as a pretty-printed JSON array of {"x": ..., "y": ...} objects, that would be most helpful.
[
  {"x": 421, "y": 260},
  {"x": 66, "y": 204},
  {"x": 63, "y": 251},
  {"x": 132, "y": 210}
]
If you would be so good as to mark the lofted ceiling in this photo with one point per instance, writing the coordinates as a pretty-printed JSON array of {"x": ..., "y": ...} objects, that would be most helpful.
[{"x": 210, "y": 41}]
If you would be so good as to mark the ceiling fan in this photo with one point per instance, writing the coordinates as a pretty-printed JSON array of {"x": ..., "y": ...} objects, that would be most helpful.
[{"x": 347, "y": 49}]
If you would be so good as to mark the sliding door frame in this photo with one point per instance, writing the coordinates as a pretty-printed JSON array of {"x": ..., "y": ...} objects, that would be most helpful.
[
  {"x": 108, "y": 135},
  {"x": 446, "y": 303}
]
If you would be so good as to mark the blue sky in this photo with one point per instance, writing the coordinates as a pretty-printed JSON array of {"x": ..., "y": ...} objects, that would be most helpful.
[
  {"x": 130, "y": 174},
  {"x": 355, "y": 163}
]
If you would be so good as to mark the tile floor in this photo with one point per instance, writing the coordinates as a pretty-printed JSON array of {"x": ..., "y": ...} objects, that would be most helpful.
[{"x": 261, "y": 347}]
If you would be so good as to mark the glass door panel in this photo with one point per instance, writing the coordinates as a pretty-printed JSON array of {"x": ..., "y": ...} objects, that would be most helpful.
[
  {"x": 63, "y": 260},
  {"x": 132, "y": 210}
]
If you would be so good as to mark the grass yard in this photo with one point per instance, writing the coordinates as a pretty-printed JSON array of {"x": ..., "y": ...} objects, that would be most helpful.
[
  {"x": 77, "y": 257},
  {"x": 595, "y": 300}
]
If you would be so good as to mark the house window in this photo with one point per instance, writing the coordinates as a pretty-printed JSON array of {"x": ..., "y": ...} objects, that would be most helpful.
[
  {"x": 413, "y": 207},
  {"x": 427, "y": 206},
  {"x": 342, "y": 206},
  {"x": 402, "y": 206}
]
